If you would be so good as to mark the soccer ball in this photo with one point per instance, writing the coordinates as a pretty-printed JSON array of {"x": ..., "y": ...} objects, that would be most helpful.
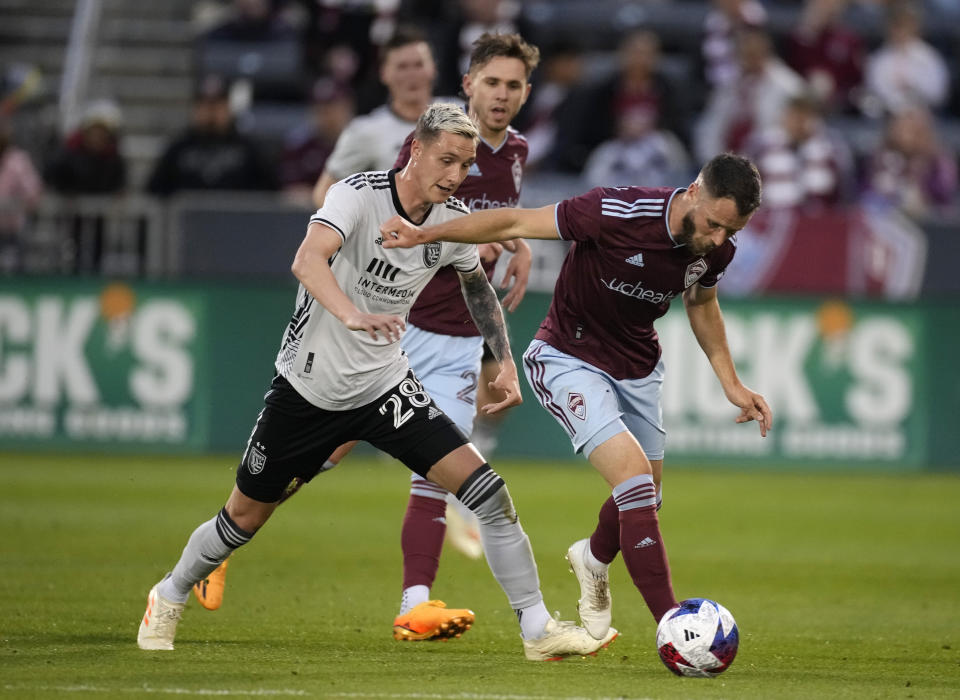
[{"x": 698, "y": 638}]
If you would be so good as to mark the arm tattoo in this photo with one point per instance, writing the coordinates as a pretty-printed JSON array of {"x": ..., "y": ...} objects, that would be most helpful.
[{"x": 486, "y": 312}]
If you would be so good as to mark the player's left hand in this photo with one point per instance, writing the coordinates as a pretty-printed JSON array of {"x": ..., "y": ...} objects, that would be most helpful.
[
  {"x": 397, "y": 232},
  {"x": 752, "y": 407},
  {"x": 518, "y": 270},
  {"x": 506, "y": 384}
]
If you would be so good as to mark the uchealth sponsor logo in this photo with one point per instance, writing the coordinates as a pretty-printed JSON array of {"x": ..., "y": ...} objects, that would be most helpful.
[
  {"x": 636, "y": 290},
  {"x": 483, "y": 202}
]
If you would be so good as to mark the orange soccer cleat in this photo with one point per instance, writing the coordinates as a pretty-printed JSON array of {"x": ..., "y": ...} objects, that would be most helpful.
[
  {"x": 432, "y": 620},
  {"x": 209, "y": 591}
]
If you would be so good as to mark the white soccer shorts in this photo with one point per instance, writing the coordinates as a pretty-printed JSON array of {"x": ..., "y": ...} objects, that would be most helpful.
[{"x": 591, "y": 405}]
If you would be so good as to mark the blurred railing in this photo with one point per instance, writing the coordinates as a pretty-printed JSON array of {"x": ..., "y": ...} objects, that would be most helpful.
[
  {"x": 112, "y": 236},
  {"x": 253, "y": 236}
]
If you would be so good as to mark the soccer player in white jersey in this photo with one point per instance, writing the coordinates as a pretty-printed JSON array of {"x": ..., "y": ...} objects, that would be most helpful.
[
  {"x": 595, "y": 362},
  {"x": 341, "y": 375},
  {"x": 442, "y": 343}
]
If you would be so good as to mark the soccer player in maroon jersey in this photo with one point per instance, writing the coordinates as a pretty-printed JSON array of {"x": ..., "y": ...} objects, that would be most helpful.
[
  {"x": 442, "y": 341},
  {"x": 595, "y": 362}
]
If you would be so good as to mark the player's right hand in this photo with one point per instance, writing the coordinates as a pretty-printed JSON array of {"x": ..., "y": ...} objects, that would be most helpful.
[
  {"x": 397, "y": 232},
  {"x": 489, "y": 252},
  {"x": 505, "y": 384},
  {"x": 388, "y": 326}
]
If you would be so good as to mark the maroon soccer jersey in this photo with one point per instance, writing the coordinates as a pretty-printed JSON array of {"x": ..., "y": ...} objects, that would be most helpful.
[
  {"x": 493, "y": 182},
  {"x": 620, "y": 275}
]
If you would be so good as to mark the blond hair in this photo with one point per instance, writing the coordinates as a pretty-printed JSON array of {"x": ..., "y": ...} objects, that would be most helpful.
[{"x": 444, "y": 116}]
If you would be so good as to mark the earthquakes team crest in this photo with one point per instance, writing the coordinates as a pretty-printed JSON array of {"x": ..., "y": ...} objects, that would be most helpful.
[
  {"x": 256, "y": 460},
  {"x": 431, "y": 253}
]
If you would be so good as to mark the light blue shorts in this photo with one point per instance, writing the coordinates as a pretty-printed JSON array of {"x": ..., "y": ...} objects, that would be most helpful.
[
  {"x": 449, "y": 369},
  {"x": 591, "y": 405}
]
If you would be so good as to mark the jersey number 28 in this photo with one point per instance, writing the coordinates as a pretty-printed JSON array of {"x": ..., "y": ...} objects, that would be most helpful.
[{"x": 411, "y": 390}]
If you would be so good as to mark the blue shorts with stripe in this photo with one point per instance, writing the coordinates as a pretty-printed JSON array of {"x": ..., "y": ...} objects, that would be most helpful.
[{"x": 592, "y": 406}]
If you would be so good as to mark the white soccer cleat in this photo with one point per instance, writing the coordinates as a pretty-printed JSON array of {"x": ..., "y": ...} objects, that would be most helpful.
[
  {"x": 561, "y": 639},
  {"x": 463, "y": 534},
  {"x": 159, "y": 624},
  {"x": 594, "y": 604}
]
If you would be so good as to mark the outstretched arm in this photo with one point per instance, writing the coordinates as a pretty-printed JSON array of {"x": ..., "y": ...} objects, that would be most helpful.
[
  {"x": 312, "y": 267},
  {"x": 706, "y": 320},
  {"x": 485, "y": 309},
  {"x": 479, "y": 227}
]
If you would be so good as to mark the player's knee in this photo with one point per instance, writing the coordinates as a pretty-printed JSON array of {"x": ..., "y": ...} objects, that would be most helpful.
[
  {"x": 246, "y": 513},
  {"x": 486, "y": 494}
]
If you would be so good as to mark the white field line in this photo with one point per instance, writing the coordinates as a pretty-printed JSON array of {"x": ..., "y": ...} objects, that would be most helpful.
[
  {"x": 267, "y": 692},
  {"x": 155, "y": 691}
]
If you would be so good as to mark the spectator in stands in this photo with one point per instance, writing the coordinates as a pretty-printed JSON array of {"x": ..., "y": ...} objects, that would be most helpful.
[
  {"x": 752, "y": 103},
  {"x": 641, "y": 156},
  {"x": 906, "y": 70},
  {"x": 308, "y": 146},
  {"x": 721, "y": 26},
  {"x": 252, "y": 21},
  {"x": 913, "y": 169},
  {"x": 20, "y": 190},
  {"x": 89, "y": 160},
  {"x": 19, "y": 83},
  {"x": 211, "y": 154},
  {"x": 342, "y": 40},
  {"x": 638, "y": 92},
  {"x": 828, "y": 54},
  {"x": 372, "y": 141},
  {"x": 803, "y": 164},
  {"x": 552, "y": 104},
  {"x": 462, "y": 23}
]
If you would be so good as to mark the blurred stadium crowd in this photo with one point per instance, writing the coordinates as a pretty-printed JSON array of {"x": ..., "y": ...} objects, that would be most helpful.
[{"x": 839, "y": 102}]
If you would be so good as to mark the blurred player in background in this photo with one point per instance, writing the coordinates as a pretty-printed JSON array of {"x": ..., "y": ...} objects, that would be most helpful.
[
  {"x": 595, "y": 363},
  {"x": 372, "y": 141},
  {"x": 342, "y": 375},
  {"x": 442, "y": 343}
]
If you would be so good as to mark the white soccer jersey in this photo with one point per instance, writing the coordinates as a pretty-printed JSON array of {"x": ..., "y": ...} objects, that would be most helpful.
[
  {"x": 331, "y": 366},
  {"x": 370, "y": 142}
]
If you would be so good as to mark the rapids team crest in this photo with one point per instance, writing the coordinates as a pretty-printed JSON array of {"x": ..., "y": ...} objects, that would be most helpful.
[{"x": 577, "y": 405}]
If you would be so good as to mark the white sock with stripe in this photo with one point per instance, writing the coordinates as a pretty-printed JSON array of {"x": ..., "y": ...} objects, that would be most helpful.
[{"x": 208, "y": 546}]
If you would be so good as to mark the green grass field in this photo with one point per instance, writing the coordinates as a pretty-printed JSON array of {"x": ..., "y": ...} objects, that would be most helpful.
[{"x": 843, "y": 586}]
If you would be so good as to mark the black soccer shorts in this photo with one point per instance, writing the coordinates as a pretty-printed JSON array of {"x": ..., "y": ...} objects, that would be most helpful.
[{"x": 293, "y": 438}]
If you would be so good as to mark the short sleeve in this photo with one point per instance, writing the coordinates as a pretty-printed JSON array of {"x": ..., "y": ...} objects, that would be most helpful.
[
  {"x": 342, "y": 209},
  {"x": 466, "y": 257},
  {"x": 718, "y": 262},
  {"x": 579, "y": 218},
  {"x": 352, "y": 154}
]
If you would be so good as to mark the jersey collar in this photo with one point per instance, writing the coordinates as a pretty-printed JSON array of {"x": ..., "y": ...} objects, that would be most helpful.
[
  {"x": 392, "y": 176},
  {"x": 666, "y": 216}
]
